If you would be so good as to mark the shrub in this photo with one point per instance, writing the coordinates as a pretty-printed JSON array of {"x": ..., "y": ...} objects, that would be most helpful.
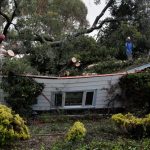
[
  {"x": 76, "y": 132},
  {"x": 134, "y": 126},
  {"x": 12, "y": 126},
  {"x": 135, "y": 92},
  {"x": 21, "y": 93},
  {"x": 108, "y": 66},
  {"x": 17, "y": 66}
]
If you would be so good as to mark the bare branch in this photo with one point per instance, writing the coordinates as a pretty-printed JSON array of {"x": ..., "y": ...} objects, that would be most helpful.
[
  {"x": 43, "y": 39},
  {"x": 4, "y": 16},
  {"x": 15, "y": 26},
  {"x": 86, "y": 31},
  {"x": 102, "y": 13},
  {"x": 9, "y": 20}
]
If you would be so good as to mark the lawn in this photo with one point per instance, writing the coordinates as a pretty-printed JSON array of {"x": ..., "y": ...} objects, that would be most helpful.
[{"x": 48, "y": 133}]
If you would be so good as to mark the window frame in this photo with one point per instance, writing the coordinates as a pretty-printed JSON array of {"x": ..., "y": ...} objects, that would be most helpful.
[{"x": 83, "y": 105}]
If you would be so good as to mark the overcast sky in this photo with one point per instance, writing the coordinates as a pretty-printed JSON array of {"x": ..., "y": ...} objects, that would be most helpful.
[{"x": 94, "y": 10}]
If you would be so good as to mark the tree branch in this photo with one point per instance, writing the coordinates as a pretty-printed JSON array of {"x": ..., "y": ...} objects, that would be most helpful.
[
  {"x": 9, "y": 20},
  {"x": 89, "y": 30},
  {"x": 102, "y": 13},
  {"x": 86, "y": 31},
  {"x": 97, "y": 24},
  {"x": 4, "y": 16}
]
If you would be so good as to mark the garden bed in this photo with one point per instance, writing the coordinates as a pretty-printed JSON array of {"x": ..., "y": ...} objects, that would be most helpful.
[{"x": 48, "y": 132}]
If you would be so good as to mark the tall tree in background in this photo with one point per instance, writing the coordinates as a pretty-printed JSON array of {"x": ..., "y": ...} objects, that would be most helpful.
[{"x": 42, "y": 28}]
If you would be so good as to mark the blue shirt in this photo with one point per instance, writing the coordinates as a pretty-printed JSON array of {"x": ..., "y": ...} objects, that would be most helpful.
[{"x": 129, "y": 47}]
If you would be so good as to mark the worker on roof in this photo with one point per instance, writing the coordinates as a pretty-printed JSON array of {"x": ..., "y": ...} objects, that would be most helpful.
[{"x": 129, "y": 48}]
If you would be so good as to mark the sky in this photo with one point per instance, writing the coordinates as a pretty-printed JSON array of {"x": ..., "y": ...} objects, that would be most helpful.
[{"x": 94, "y": 10}]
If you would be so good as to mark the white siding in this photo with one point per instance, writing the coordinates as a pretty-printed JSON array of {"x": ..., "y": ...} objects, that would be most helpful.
[{"x": 99, "y": 84}]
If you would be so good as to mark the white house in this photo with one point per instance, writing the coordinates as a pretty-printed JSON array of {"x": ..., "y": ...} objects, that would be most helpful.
[{"x": 77, "y": 92}]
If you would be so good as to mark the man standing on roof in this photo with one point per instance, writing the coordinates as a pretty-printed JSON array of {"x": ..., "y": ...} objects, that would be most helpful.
[{"x": 129, "y": 48}]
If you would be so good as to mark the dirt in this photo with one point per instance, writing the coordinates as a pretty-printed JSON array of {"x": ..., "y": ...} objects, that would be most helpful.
[{"x": 35, "y": 143}]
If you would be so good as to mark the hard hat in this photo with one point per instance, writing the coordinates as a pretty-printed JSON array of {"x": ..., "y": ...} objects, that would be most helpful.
[{"x": 128, "y": 38}]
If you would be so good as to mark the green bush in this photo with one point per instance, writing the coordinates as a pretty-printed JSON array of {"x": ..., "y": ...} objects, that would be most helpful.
[
  {"x": 133, "y": 126},
  {"x": 136, "y": 92},
  {"x": 76, "y": 132},
  {"x": 21, "y": 93},
  {"x": 109, "y": 66},
  {"x": 12, "y": 126},
  {"x": 17, "y": 66}
]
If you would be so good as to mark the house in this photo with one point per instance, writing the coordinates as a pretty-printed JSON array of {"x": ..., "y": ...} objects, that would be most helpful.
[{"x": 77, "y": 92}]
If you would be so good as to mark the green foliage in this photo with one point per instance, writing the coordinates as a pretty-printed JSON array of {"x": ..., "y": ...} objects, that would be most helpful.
[
  {"x": 133, "y": 126},
  {"x": 43, "y": 58},
  {"x": 135, "y": 91},
  {"x": 76, "y": 132},
  {"x": 119, "y": 144},
  {"x": 21, "y": 93},
  {"x": 117, "y": 38},
  {"x": 12, "y": 126},
  {"x": 123, "y": 8},
  {"x": 53, "y": 18},
  {"x": 109, "y": 66},
  {"x": 17, "y": 66},
  {"x": 84, "y": 48}
]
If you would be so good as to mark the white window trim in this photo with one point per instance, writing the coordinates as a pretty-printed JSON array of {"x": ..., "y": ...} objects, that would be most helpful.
[{"x": 83, "y": 99}]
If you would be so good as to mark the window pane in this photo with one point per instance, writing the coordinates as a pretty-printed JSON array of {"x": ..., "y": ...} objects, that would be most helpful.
[
  {"x": 58, "y": 99},
  {"x": 73, "y": 98},
  {"x": 89, "y": 98}
]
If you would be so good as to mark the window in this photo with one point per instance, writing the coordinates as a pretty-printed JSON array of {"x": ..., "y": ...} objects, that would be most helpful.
[
  {"x": 73, "y": 98},
  {"x": 58, "y": 99},
  {"x": 89, "y": 98},
  {"x": 78, "y": 98}
]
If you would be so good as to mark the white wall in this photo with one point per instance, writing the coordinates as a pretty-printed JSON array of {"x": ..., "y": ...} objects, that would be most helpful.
[{"x": 99, "y": 84}]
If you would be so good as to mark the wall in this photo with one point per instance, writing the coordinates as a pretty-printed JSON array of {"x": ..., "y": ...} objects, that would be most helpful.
[{"x": 100, "y": 84}]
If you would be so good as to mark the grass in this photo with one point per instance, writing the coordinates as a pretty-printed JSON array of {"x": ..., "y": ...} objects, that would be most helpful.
[{"x": 48, "y": 133}]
